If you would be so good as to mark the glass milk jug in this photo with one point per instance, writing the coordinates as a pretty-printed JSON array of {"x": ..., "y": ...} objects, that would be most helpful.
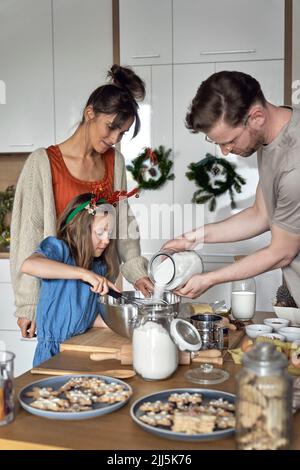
[
  {"x": 264, "y": 400},
  {"x": 157, "y": 335},
  {"x": 243, "y": 296},
  {"x": 171, "y": 270},
  {"x": 6, "y": 387}
]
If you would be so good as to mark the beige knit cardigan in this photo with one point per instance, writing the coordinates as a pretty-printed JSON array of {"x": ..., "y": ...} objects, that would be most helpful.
[{"x": 34, "y": 218}]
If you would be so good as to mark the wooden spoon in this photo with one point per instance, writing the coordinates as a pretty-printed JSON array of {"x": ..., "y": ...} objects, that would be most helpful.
[{"x": 117, "y": 373}]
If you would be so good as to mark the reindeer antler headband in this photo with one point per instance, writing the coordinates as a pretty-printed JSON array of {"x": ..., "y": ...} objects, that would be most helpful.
[{"x": 97, "y": 200}]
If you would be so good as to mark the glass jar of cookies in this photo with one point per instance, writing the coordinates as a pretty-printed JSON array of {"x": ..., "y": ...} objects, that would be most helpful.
[{"x": 264, "y": 400}]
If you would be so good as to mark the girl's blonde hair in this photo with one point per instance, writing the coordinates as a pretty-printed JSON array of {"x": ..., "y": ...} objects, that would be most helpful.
[{"x": 78, "y": 235}]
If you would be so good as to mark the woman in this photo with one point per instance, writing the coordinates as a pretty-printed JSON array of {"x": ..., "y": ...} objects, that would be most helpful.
[{"x": 85, "y": 162}]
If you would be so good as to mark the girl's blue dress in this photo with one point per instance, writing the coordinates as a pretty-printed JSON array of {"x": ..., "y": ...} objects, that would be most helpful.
[{"x": 66, "y": 307}]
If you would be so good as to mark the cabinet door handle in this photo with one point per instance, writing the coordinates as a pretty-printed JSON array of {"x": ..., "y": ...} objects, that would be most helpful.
[
  {"x": 237, "y": 51},
  {"x": 21, "y": 145},
  {"x": 146, "y": 56}
]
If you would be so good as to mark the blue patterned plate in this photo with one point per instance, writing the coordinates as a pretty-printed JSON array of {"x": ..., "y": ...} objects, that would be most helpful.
[
  {"x": 207, "y": 395},
  {"x": 56, "y": 382}
]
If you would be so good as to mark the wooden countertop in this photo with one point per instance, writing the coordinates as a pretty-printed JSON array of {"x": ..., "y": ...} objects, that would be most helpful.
[
  {"x": 4, "y": 254},
  {"x": 101, "y": 432}
]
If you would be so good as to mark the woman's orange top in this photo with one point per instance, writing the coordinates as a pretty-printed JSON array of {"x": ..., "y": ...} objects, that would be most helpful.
[{"x": 66, "y": 186}]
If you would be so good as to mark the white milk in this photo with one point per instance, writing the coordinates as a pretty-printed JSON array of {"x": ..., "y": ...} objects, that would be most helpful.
[{"x": 243, "y": 305}]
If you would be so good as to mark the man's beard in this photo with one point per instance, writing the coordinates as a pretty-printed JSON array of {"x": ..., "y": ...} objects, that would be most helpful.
[{"x": 257, "y": 144}]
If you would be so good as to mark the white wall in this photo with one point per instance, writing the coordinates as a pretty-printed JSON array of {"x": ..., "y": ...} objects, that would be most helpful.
[{"x": 296, "y": 40}]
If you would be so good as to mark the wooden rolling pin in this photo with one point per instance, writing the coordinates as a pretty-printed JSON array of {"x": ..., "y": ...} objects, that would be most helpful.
[{"x": 213, "y": 356}]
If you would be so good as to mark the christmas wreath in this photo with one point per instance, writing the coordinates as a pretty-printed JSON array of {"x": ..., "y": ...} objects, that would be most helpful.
[
  {"x": 214, "y": 176},
  {"x": 151, "y": 168}
]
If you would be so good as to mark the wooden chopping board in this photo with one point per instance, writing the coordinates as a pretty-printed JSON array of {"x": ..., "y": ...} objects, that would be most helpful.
[{"x": 95, "y": 340}]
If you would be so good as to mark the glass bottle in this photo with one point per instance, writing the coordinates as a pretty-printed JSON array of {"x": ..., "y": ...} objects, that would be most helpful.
[
  {"x": 243, "y": 296},
  {"x": 264, "y": 400},
  {"x": 171, "y": 270},
  {"x": 6, "y": 387}
]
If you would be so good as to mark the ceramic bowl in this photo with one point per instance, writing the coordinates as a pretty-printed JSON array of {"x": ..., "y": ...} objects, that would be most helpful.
[
  {"x": 276, "y": 323},
  {"x": 292, "y": 333},
  {"x": 274, "y": 336},
  {"x": 289, "y": 313},
  {"x": 253, "y": 331}
]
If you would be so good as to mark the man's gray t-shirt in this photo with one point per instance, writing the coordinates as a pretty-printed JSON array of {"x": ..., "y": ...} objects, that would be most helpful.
[{"x": 279, "y": 177}]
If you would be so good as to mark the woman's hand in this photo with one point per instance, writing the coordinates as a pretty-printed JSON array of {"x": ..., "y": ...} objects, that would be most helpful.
[
  {"x": 100, "y": 284},
  {"x": 196, "y": 285},
  {"x": 27, "y": 327},
  {"x": 186, "y": 241},
  {"x": 145, "y": 286}
]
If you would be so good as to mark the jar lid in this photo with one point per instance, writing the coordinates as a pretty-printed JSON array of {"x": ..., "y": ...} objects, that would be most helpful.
[
  {"x": 264, "y": 357},
  {"x": 185, "y": 335},
  {"x": 206, "y": 374}
]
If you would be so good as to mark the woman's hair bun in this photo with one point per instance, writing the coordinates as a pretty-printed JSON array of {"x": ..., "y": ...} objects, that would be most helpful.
[{"x": 125, "y": 78}]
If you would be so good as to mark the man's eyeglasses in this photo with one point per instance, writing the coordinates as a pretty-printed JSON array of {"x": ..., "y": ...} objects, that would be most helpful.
[{"x": 233, "y": 141}]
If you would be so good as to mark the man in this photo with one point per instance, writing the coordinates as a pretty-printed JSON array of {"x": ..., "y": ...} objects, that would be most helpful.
[{"x": 230, "y": 108}]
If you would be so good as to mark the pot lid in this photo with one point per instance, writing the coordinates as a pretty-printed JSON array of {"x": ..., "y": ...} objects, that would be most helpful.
[{"x": 185, "y": 335}]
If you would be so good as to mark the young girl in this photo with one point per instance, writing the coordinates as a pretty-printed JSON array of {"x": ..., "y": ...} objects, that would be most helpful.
[{"x": 73, "y": 268}]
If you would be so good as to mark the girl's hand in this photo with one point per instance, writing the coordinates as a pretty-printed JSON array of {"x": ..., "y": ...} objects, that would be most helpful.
[{"x": 100, "y": 284}]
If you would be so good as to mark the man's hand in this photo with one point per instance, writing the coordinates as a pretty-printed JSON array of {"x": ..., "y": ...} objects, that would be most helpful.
[
  {"x": 196, "y": 285},
  {"x": 27, "y": 327},
  {"x": 186, "y": 241},
  {"x": 145, "y": 286}
]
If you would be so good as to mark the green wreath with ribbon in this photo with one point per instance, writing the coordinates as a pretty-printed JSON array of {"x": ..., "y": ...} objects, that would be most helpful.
[
  {"x": 151, "y": 168},
  {"x": 214, "y": 176}
]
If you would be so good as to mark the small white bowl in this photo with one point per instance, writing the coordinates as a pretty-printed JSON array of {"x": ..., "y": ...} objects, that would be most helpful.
[
  {"x": 292, "y": 333},
  {"x": 253, "y": 331},
  {"x": 273, "y": 336},
  {"x": 277, "y": 323}
]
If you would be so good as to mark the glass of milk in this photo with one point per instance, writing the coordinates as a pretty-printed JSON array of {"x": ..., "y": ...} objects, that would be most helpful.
[{"x": 243, "y": 296}]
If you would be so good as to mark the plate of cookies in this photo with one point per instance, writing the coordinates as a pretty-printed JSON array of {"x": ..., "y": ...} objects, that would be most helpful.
[
  {"x": 187, "y": 414},
  {"x": 71, "y": 397}
]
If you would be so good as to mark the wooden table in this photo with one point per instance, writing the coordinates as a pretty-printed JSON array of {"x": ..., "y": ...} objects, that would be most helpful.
[{"x": 115, "y": 430}]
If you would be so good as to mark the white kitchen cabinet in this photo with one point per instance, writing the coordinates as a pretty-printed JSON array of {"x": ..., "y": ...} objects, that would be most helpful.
[
  {"x": 266, "y": 284},
  {"x": 214, "y": 30},
  {"x": 153, "y": 207},
  {"x": 21, "y": 347},
  {"x": 26, "y": 69},
  {"x": 7, "y": 319},
  {"x": 10, "y": 334},
  {"x": 82, "y": 37},
  {"x": 146, "y": 32}
]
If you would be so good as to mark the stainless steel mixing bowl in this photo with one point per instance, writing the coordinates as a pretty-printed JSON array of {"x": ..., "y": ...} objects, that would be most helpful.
[{"x": 120, "y": 316}]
